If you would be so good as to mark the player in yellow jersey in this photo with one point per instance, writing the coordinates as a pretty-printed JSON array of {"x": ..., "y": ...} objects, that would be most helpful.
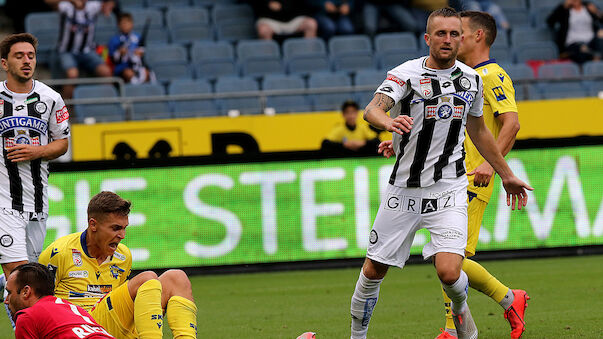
[
  {"x": 92, "y": 268},
  {"x": 500, "y": 115}
]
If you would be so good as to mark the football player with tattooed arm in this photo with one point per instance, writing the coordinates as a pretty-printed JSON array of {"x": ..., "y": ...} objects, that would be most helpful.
[
  {"x": 34, "y": 128},
  {"x": 431, "y": 100}
]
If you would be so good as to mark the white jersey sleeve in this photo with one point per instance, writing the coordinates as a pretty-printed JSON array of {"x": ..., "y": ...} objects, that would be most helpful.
[
  {"x": 58, "y": 123},
  {"x": 394, "y": 87},
  {"x": 65, "y": 7},
  {"x": 94, "y": 7},
  {"x": 477, "y": 107}
]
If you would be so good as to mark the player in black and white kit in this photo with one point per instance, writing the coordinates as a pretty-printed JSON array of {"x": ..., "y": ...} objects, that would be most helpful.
[
  {"x": 34, "y": 128},
  {"x": 431, "y": 100}
]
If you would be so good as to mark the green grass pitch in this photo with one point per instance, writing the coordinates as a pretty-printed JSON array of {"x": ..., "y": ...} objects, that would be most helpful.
[{"x": 566, "y": 302}]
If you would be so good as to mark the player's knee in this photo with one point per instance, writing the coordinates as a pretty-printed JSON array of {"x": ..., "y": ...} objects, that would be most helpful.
[
  {"x": 374, "y": 270},
  {"x": 448, "y": 275},
  {"x": 145, "y": 276},
  {"x": 175, "y": 278}
]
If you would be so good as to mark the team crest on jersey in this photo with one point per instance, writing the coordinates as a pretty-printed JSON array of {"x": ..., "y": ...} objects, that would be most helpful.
[
  {"x": 40, "y": 107},
  {"x": 443, "y": 110},
  {"x": 426, "y": 89},
  {"x": 77, "y": 257},
  {"x": 465, "y": 83},
  {"x": 116, "y": 271},
  {"x": 21, "y": 139}
]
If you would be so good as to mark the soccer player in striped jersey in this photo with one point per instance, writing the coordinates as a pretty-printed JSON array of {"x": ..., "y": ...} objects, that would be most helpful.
[
  {"x": 431, "y": 100},
  {"x": 34, "y": 128},
  {"x": 500, "y": 116}
]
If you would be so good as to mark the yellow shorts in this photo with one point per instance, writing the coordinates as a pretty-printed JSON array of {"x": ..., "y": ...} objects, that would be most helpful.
[
  {"x": 475, "y": 211},
  {"x": 115, "y": 312}
]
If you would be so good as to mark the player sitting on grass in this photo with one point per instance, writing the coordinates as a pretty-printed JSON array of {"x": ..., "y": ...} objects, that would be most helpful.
[{"x": 91, "y": 270}]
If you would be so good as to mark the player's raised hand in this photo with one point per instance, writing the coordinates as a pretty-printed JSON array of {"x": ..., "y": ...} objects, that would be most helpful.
[
  {"x": 401, "y": 124},
  {"x": 516, "y": 192},
  {"x": 386, "y": 148}
]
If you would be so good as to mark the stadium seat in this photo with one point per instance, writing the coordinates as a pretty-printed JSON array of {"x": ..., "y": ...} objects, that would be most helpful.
[
  {"x": 45, "y": 27},
  {"x": 540, "y": 14},
  {"x": 190, "y": 34},
  {"x": 235, "y": 31},
  {"x": 157, "y": 36},
  {"x": 260, "y": 66},
  {"x": 349, "y": 43},
  {"x": 167, "y": 4},
  {"x": 165, "y": 53},
  {"x": 526, "y": 92},
  {"x": 187, "y": 16},
  {"x": 245, "y": 105},
  {"x": 167, "y": 71},
  {"x": 231, "y": 14},
  {"x": 519, "y": 72},
  {"x": 213, "y": 68},
  {"x": 559, "y": 71},
  {"x": 293, "y": 47},
  {"x": 562, "y": 89},
  {"x": 212, "y": 3},
  {"x": 537, "y": 51},
  {"x": 501, "y": 41},
  {"x": 526, "y": 36},
  {"x": 100, "y": 112},
  {"x": 368, "y": 78},
  {"x": 393, "y": 59},
  {"x": 303, "y": 65},
  {"x": 395, "y": 41},
  {"x": 141, "y": 15},
  {"x": 257, "y": 48},
  {"x": 329, "y": 101},
  {"x": 518, "y": 17},
  {"x": 595, "y": 87},
  {"x": 192, "y": 108},
  {"x": 544, "y": 3},
  {"x": 103, "y": 37},
  {"x": 353, "y": 61},
  {"x": 593, "y": 68},
  {"x": 148, "y": 110},
  {"x": 210, "y": 50},
  {"x": 502, "y": 55},
  {"x": 131, "y": 3},
  {"x": 286, "y": 103},
  {"x": 105, "y": 23},
  {"x": 512, "y": 3}
]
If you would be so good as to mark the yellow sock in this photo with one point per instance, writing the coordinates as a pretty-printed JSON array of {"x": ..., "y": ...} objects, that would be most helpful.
[
  {"x": 449, "y": 321},
  {"x": 148, "y": 314},
  {"x": 181, "y": 315},
  {"x": 483, "y": 281}
]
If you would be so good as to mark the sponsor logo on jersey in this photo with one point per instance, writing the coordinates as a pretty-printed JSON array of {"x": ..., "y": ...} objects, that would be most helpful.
[
  {"x": 6, "y": 240},
  {"x": 77, "y": 257},
  {"x": 116, "y": 271},
  {"x": 485, "y": 71},
  {"x": 417, "y": 205},
  {"x": 62, "y": 114},
  {"x": 54, "y": 252},
  {"x": 499, "y": 93},
  {"x": 426, "y": 89},
  {"x": 387, "y": 89},
  {"x": 119, "y": 256},
  {"x": 78, "y": 274},
  {"x": 83, "y": 331},
  {"x": 20, "y": 107},
  {"x": 40, "y": 107},
  {"x": 501, "y": 77},
  {"x": 16, "y": 122},
  {"x": 396, "y": 80},
  {"x": 102, "y": 289}
]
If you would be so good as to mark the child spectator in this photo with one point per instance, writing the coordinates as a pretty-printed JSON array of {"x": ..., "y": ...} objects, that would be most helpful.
[{"x": 126, "y": 53}]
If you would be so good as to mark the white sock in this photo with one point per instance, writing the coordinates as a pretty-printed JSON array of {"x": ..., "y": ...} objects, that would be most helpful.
[
  {"x": 363, "y": 302},
  {"x": 507, "y": 301},
  {"x": 457, "y": 292}
]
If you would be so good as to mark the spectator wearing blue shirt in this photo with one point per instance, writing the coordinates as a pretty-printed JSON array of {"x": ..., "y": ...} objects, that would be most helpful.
[
  {"x": 126, "y": 53},
  {"x": 333, "y": 17}
]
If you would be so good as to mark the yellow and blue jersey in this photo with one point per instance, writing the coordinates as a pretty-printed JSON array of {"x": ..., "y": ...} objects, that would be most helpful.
[
  {"x": 499, "y": 98},
  {"x": 78, "y": 276}
]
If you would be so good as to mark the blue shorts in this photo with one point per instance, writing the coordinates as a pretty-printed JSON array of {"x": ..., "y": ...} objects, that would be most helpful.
[{"x": 88, "y": 61}]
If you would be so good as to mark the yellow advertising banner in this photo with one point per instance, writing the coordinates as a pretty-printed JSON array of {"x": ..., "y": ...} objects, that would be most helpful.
[{"x": 304, "y": 131}]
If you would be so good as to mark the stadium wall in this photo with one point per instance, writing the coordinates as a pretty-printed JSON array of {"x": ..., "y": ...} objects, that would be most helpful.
[
  {"x": 296, "y": 207},
  {"x": 298, "y": 132}
]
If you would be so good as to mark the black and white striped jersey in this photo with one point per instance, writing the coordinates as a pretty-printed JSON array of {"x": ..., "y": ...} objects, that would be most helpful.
[
  {"x": 33, "y": 118},
  {"x": 438, "y": 101},
  {"x": 77, "y": 27}
]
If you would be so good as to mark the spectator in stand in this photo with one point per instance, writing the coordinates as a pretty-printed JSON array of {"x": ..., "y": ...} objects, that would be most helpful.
[
  {"x": 578, "y": 32},
  {"x": 76, "y": 40},
  {"x": 126, "y": 53},
  {"x": 283, "y": 17},
  {"x": 333, "y": 17},
  {"x": 493, "y": 9},
  {"x": 349, "y": 137},
  {"x": 397, "y": 13}
]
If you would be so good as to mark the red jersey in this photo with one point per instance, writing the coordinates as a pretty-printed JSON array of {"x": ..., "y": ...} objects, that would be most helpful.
[{"x": 53, "y": 317}]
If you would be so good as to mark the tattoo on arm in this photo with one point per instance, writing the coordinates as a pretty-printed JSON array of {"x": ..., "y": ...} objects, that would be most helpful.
[{"x": 383, "y": 101}]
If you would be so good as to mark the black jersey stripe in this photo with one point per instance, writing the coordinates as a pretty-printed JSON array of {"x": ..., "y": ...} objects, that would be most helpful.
[
  {"x": 36, "y": 165},
  {"x": 452, "y": 140},
  {"x": 12, "y": 168},
  {"x": 422, "y": 149},
  {"x": 404, "y": 109}
]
